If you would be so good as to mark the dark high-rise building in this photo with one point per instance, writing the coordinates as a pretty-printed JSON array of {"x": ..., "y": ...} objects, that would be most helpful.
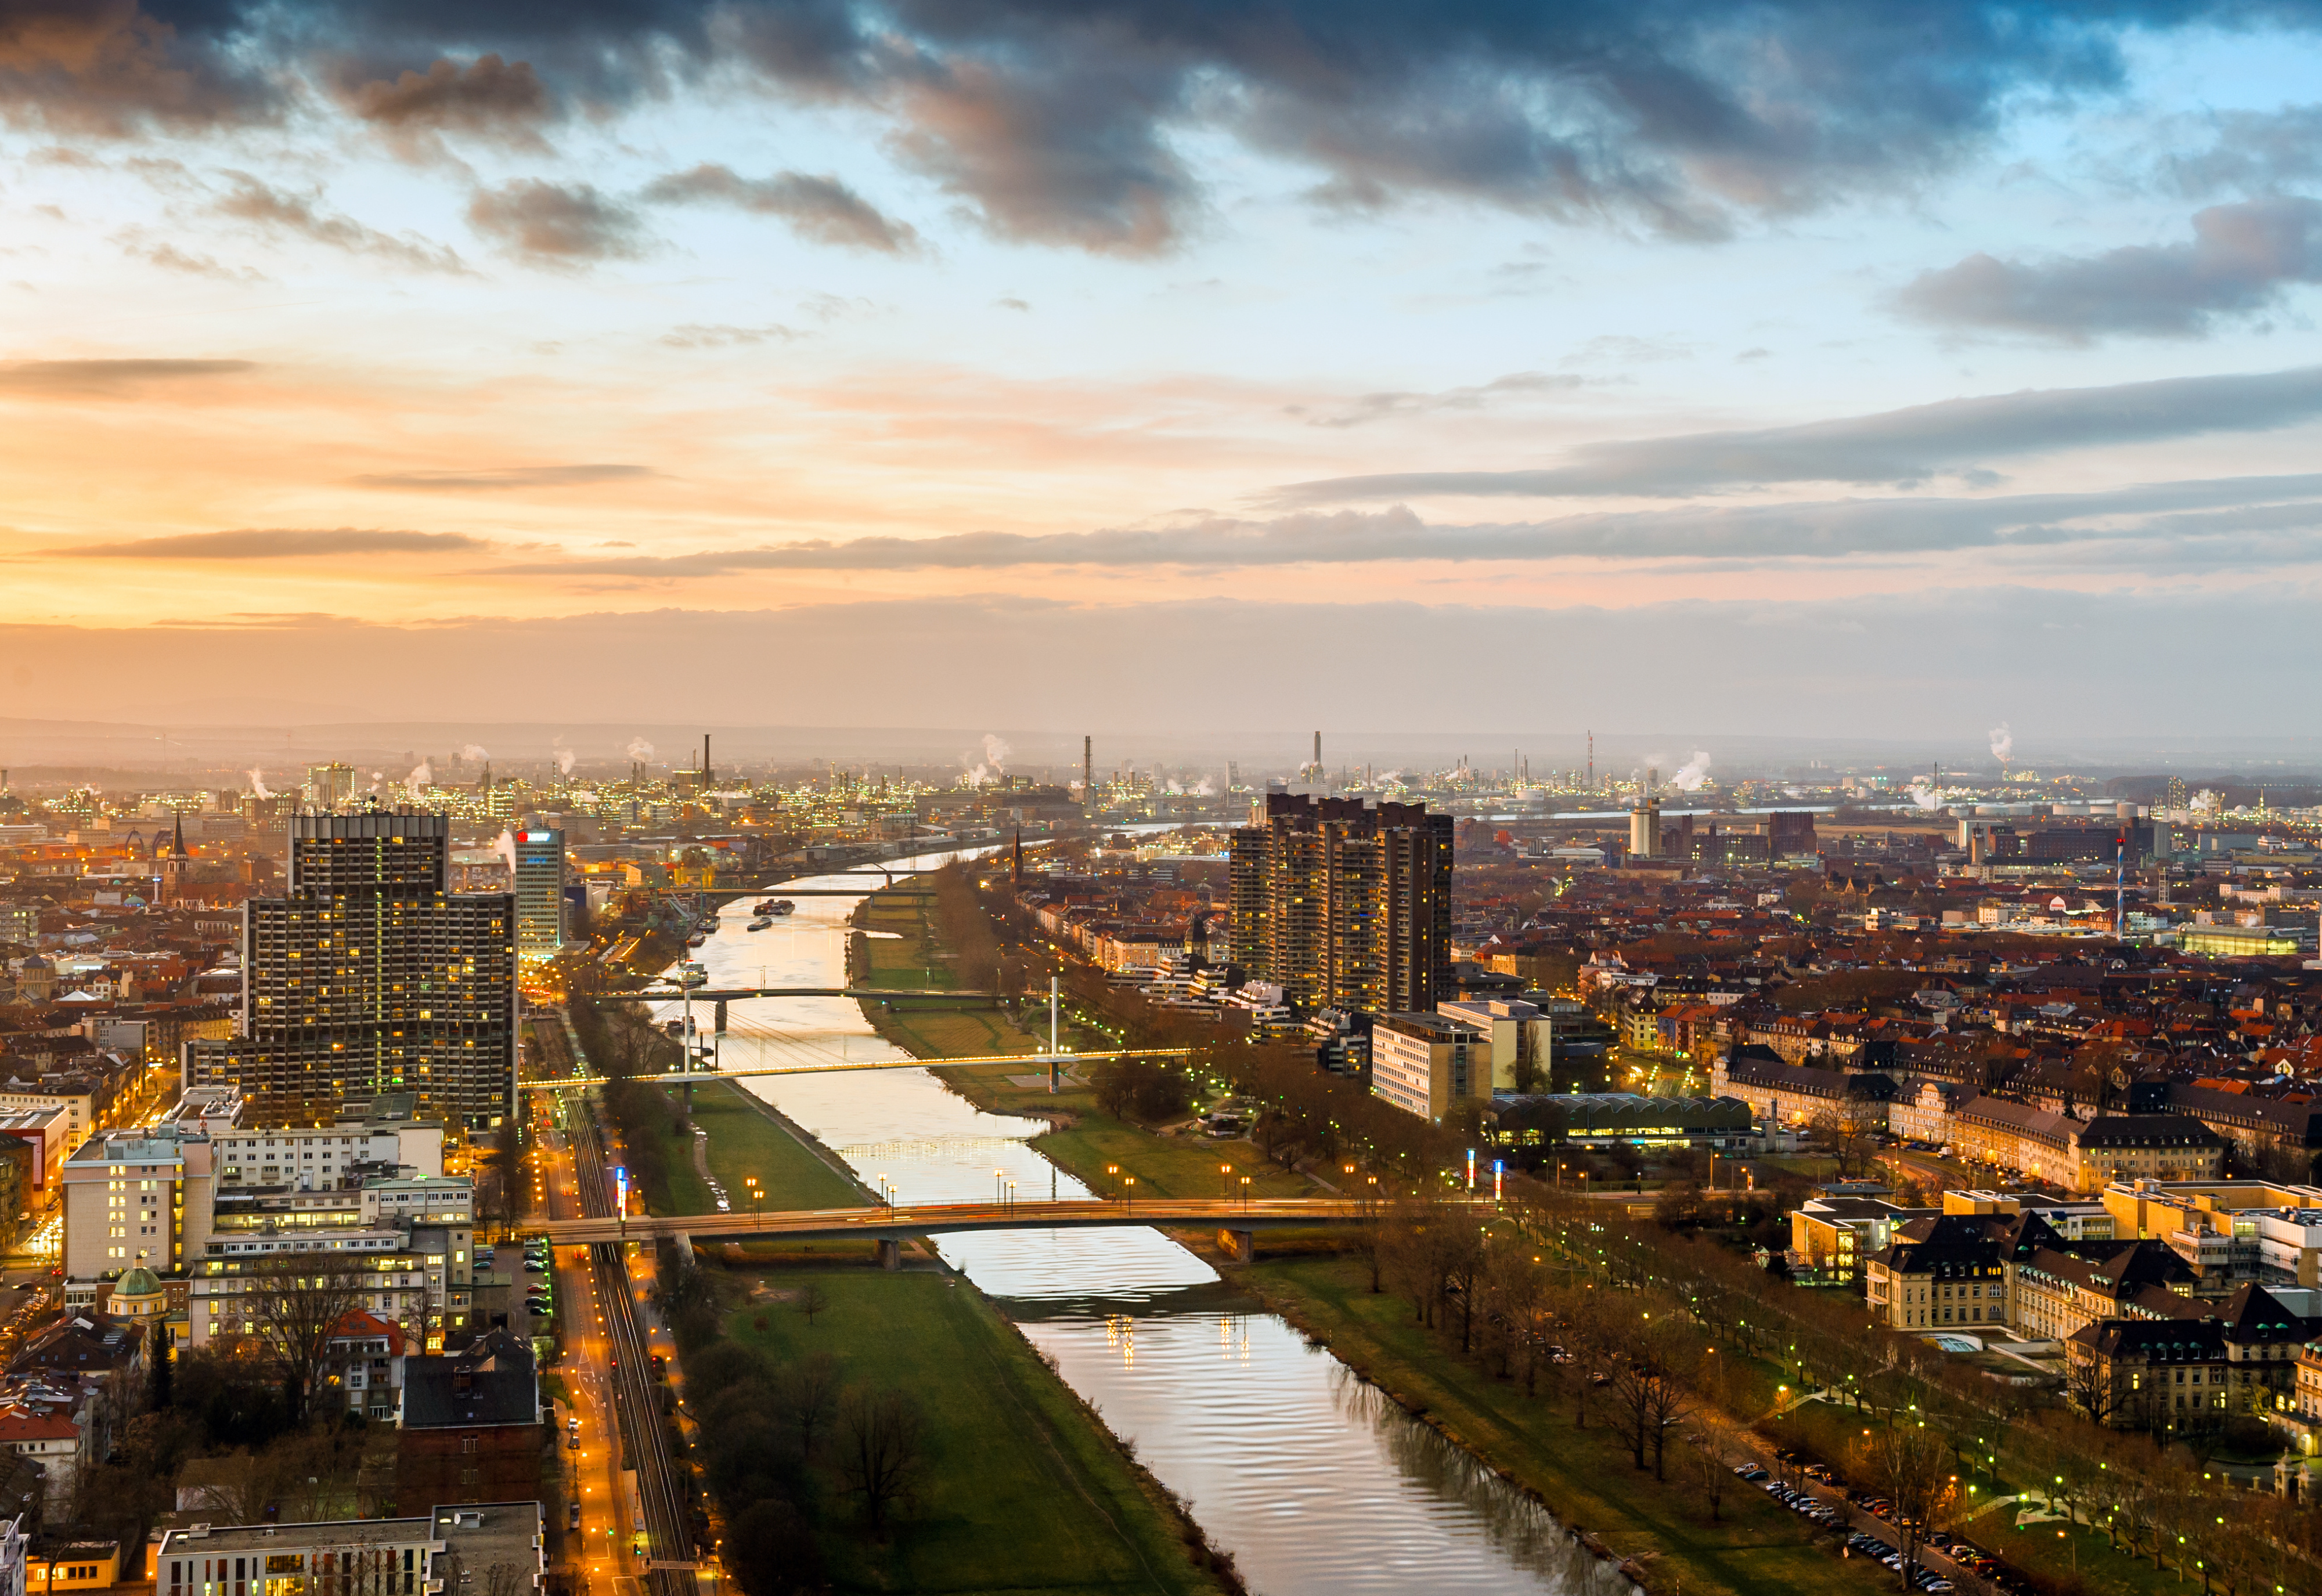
[
  {"x": 368, "y": 976},
  {"x": 1345, "y": 905}
]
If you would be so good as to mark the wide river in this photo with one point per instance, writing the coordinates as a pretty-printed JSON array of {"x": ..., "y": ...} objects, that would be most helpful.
[{"x": 1314, "y": 1480}]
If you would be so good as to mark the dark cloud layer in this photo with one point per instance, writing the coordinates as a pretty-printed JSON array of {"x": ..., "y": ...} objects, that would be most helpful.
[
  {"x": 281, "y": 544},
  {"x": 1859, "y": 665},
  {"x": 1065, "y": 124},
  {"x": 821, "y": 208},
  {"x": 1953, "y": 436},
  {"x": 2240, "y": 259}
]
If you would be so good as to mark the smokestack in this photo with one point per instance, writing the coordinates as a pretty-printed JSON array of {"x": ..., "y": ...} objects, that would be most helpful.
[
  {"x": 705, "y": 761},
  {"x": 1318, "y": 753},
  {"x": 1088, "y": 772}
]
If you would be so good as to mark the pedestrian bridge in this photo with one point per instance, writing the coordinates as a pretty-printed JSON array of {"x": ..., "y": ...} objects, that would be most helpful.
[{"x": 1237, "y": 1222}]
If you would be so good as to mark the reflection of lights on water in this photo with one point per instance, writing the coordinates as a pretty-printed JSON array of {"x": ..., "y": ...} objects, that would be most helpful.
[{"x": 1120, "y": 1333}]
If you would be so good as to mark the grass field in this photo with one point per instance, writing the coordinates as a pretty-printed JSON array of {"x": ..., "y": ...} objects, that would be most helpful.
[{"x": 1025, "y": 1491}]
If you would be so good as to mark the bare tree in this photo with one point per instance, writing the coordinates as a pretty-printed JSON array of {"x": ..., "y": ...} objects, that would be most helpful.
[
  {"x": 1648, "y": 1385},
  {"x": 298, "y": 1303},
  {"x": 1706, "y": 1460},
  {"x": 811, "y": 1299},
  {"x": 1910, "y": 1465},
  {"x": 1851, "y": 1137},
  {"x": 882, "y": 1450},
  {"x": 807, "y": 1391}
]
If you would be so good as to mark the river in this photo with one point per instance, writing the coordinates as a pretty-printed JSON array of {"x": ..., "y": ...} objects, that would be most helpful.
[{"x": 1313, "y": 1480}]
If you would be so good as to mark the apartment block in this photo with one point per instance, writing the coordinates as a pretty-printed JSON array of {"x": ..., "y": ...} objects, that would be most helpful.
[
  {"x": 1345, "y": 904},
  {"x": 368, "y": 976}
]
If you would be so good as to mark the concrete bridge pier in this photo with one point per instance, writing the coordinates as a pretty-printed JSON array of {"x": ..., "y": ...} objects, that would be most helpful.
[
  {"x": 891, "y": 1253},
  {"x": 1240, "y": 1245},
  {"x": 685, "y": 1244}
]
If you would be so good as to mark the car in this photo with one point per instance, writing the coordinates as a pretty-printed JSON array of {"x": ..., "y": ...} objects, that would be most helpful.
[
  {"x": 572, "y": 1442},
  {"x": 573, "y": 1424},
  {"x": 1749, "y": 1471},
  {"x": 534, "y": 1266},
  {"x": 573, "y": 1515}
]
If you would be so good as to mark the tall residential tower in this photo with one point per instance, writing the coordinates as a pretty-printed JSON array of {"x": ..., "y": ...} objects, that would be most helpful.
[
  {"x": 368, "y": 976},
  {"x": 1345, "y": 905}
]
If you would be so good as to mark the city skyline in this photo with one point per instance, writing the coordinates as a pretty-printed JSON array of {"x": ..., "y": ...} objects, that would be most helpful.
[{"x": 1632, "y": 341}]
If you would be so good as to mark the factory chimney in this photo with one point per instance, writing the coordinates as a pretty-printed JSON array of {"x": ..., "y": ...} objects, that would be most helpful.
[
  {"x": 1088, "y": 773},
  {"x": 705, "y": 761}
]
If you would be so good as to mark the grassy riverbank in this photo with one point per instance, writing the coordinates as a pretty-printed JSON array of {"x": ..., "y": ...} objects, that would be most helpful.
[
  {"x": 1024, "y": 1489},
  {"x": 1585, "y": 1475}
]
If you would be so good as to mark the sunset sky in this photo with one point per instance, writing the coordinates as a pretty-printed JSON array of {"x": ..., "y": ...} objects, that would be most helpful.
[{"x": 1676, "y": 331}]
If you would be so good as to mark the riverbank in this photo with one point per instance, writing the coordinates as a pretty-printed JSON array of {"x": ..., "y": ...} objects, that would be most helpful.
[
  {"x": 1024, "y": 1488},
  {"x": 1584, "y": 1476}
]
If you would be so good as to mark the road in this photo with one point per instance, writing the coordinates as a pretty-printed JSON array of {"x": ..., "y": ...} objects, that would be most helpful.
[
  {"x": 608, "y": 1348},
  {"x": 893, "y": 1223}
]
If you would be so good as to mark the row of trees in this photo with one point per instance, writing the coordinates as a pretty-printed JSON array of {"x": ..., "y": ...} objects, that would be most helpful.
[{"x": 777, "y": 1440}]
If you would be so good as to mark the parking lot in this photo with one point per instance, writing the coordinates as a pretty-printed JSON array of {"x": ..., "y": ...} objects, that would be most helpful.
[{"x": 1945, "y": 1563}]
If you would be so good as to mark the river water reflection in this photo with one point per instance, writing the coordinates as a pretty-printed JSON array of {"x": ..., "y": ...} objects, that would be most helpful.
[{"x": 1313, "y": 1480}]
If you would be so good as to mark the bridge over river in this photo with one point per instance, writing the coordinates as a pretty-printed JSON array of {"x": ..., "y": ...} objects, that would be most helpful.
[{"x": 1235, "y": 1220}]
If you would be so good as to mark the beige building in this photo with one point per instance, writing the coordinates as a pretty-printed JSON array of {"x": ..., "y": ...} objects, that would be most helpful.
[
  {"x": 1516, "y": 1035},
  {"x": 1424, "y": 1063},
  {"x": 135, "y": 1199},
  {"x": 2084, "y": 1154}
]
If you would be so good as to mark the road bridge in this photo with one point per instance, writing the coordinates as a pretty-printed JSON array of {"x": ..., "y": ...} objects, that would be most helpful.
[
  {"x": 1236, "y": 1220},
  {"x": 698, "y": 1076},
  {"x": 867, "y": 994}
]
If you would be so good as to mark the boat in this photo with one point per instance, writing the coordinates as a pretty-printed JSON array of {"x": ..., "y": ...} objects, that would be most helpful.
[
  {"x": 696, "y": 939},
  {"x": 765, "y": 906},
  {"x": 760, "y": 924},
  {"x": 782, "y": 906}
]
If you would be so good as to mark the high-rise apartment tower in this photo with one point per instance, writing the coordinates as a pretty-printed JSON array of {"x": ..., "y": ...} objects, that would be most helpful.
[
  {"x": 368, "y": 976},
  {"x": 1346, "y": 905},
  {"x": 539, "y": 895}
]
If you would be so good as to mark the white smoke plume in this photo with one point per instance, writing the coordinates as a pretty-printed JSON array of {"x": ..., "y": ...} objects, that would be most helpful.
[
  {"x": 258, "y": 782},
  {"x": 505, "y": 846},
  {"x": 639, "y": 749},
  {"x": 2206, "y": 800},
  {"x": 475, "y": 751},
  {"x": 977, "y": 773},
  {"x": 996, "y": 753},
  {"x": 564, "y": 761},
  {"x": 1208, "y": 788},
  {"x": 422, "y": 775},
  {"x": 2003, "y": 742},
  {"x": 1924, "y": 795},
  {"x": 1694, "y": 774}
]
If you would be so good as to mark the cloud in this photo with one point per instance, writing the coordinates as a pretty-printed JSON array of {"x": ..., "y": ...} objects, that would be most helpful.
[
  {"x": 2240, "y": 257},
  {"x": 488, "y": 98},
  {"x": 1068, "y": 150},
  {"x": 820, "y": 208},
  {"x": 2204, "y": 524},
  {"x": 276, "y": 210},
  {"x": 697, "y": 335},
  {"x": 553, "y": 225},
  {"x": 170, "y": 258},
  {"x": 107, "y": 378},
  {"x": 280, "y": 544},
  {"x": 109, "y": 69},
  {"x": 1098, "y": 126},
  {"x": 2249, "y": 151},
  {"x": 508, "y": 479},
  {"x": 1908, "y": 445},
  {"x": 1381, "y": 406}
]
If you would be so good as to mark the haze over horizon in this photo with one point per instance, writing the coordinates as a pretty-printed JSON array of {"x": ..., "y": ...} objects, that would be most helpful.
[{"x": 1789, "y": 369}]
